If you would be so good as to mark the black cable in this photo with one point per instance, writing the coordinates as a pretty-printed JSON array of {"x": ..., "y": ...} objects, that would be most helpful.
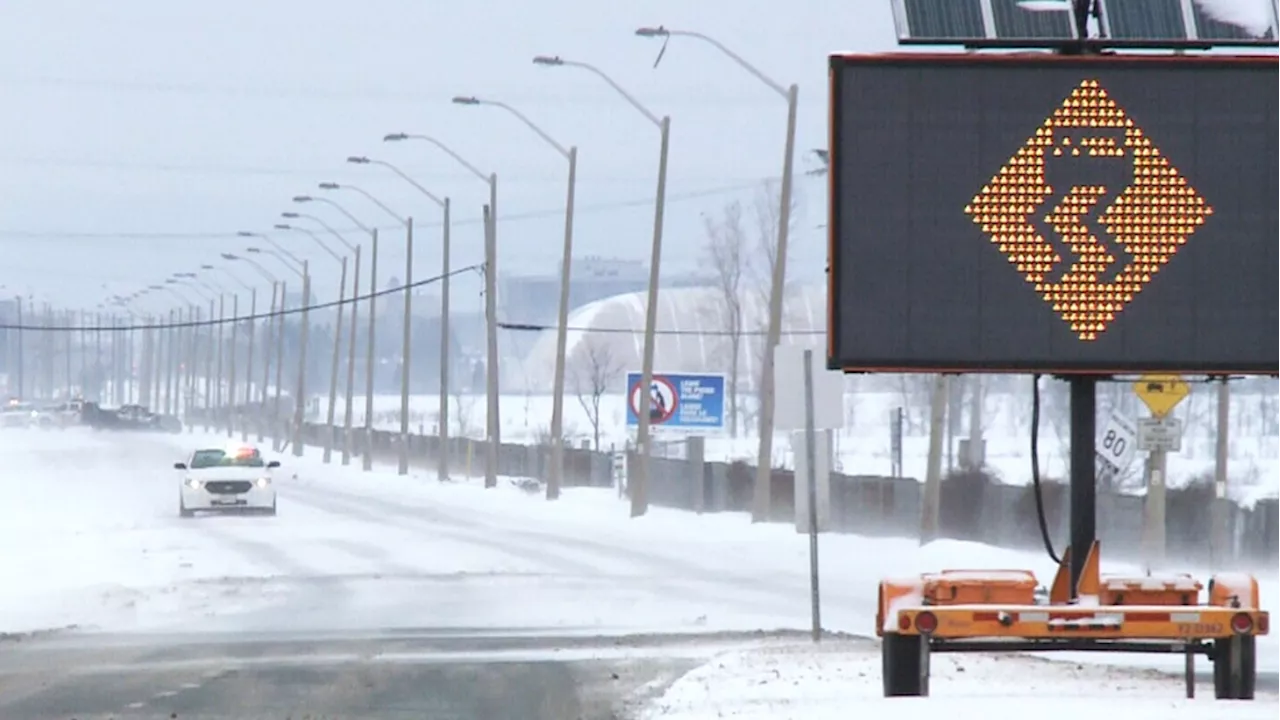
[
  {"x": 538, "y": 327},
  {"x": 1035, "y": 468},
  {"x": 241, "y": 318}
]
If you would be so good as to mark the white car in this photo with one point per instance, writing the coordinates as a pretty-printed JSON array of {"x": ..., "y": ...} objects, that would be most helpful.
[{"x": 232, "y": 479}]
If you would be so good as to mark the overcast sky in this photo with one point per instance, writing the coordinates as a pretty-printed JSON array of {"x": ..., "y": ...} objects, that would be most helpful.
[{"x": 138, "y": 136}]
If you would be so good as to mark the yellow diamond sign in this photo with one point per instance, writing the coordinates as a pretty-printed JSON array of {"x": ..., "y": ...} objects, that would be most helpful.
[{"x": 1086, "y": 278}]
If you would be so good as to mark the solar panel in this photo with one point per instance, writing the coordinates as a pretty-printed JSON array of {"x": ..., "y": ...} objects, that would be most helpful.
[
  {"x": 1144, "y": 20},
  {"x": 1209, "y": 27},
  {"x": 938, "y": 20},
  {"x": 1050, "y": 23},
  {"x": 956, "y": 21},
  {"x": 1020, "y": 19}
]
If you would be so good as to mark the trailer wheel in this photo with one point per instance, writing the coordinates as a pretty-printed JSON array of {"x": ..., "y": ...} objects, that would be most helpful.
[
  {"x": 900, "y": 665},
  {"x": 1235, "y": 667}
]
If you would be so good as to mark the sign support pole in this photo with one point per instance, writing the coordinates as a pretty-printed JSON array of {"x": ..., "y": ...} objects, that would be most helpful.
[
  {"x": 1153, "y": 515},
  {"x": 811, "y": 456},
  {"x": 1084, "y": 405}
]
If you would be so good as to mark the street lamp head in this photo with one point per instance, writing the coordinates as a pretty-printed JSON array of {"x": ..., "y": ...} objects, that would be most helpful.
[
  {"x": 395, "y": 137},
  {"x": 283, "y": 226},
  {"x": 230, "y": 256},
  {"x": 329, "y": 186},
  {"x": 461, "y": 100},
  {"x": 246, "y": 233},
  {"x": 290, "y": 215},
  {"x": 302, "y": 198},
  {"x": 653, "y": 32},
  {"x": 206, "y": 267},
  {"x": 547, "y": 60},
  {"x": 253, "y": 250},
  {"x": 358, "y": 160}
]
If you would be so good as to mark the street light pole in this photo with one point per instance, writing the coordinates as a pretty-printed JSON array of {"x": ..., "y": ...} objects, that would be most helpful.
[
  {"x": 331, "y": 430},
  {"x": 356, "y": 250},
  {"x": 406, "y": 352},
  {"x": 300, "y": 406},
  {"x": 640, "y": 481},
  {"x": 556, "y": 474},
  {"x": 492, "y": 392},
  {"x": 231, "y": 363},
  {"x": 443, "y": 431},
  {"x": 760, "y": 509},
  {"x": 366, "y": 460}
]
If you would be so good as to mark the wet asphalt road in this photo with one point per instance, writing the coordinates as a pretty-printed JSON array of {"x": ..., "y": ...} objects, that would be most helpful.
[{"x": 451, "y": 675}]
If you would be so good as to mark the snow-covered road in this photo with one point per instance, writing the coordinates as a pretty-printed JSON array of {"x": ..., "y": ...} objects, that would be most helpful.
[{"x": 92, "y": 539}]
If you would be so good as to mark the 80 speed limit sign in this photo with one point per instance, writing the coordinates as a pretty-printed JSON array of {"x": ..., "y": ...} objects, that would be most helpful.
[{"x": 1117, "y": 443}]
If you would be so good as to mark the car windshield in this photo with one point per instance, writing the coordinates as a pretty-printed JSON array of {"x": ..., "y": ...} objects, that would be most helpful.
[{"x": 249, "y": 457}]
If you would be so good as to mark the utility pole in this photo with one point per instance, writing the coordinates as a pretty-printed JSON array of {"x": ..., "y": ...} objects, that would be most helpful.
[
  {"x": 442, "y": 468},
  {"x": 407, "y": 351},
  {"x": 930, "y": 508},
  {"x": 231, "y": 365},
  {"x": 268, "y": 334},
  {"x": 492, "y": 421},
  {"x": 248, "y": 365},
  {"x": 277, "y": 426},
  {"x": 366, "y": 459},
  {"x": 332, "y": 429},
  {"x": 349, "y": 411},
  {"x": 300, "y": 405}
]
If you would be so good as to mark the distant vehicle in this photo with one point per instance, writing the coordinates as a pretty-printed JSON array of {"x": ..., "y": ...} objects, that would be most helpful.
[
  {"x": 231, "y": 479},
  {"x": 127, "y": 417},
  {"x": 16, "y": 414}
]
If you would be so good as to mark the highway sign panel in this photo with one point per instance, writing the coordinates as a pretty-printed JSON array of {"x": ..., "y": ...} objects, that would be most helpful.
[
  {"x": 1161, "y": 393},
  {"x": 1159, "y": 434},
  {"x": 1112, "y": 216},
  {"x": 1117, "y": 443},
  {"x": 686, "y": 401}
]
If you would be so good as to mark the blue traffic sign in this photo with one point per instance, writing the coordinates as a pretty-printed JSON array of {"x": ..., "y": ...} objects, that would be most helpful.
[{"x": 679, "y": 402}]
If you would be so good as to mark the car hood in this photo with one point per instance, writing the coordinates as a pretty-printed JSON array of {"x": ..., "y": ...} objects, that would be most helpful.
[{"x": 229, "y": 473}]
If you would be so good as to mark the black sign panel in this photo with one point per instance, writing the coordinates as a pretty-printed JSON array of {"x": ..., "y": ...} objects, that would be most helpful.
[{"x": 1042, "y": 213}]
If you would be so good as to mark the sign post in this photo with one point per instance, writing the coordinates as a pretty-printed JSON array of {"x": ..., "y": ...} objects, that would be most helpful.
[
  {"x": 812, "y": 482},
  {"x": 1157, "y": 435}
]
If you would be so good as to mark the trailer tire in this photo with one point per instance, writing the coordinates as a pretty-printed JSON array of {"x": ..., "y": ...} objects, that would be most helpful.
[
  {"x": 1229, "y": 681},
  {"x": 900, "y": 664}
]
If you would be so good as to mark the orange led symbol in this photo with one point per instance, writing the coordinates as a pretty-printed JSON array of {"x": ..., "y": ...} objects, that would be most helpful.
[{"x": 1148, "y": 219}]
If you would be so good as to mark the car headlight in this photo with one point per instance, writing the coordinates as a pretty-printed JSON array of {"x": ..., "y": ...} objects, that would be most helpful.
[
  {"x": 194, "y": 484},
  {"x": 264, "y": 482}
]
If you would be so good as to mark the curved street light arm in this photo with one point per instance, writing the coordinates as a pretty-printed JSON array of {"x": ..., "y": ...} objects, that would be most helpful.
[
  {"x": 233, "y": 276},
  {"x": 329, "y": 228},
  {"x": 409, "y": 180},
  {"x": 344, "y": 211},
  {"x": 281, "y": 249},
  {"x": 270, "y": 277},
  {"x": 529, "y": 124},
  {"x": 449, "y": 151},
  {"x": 378, "y": 202},
  {"x": 320, "y": 242},
  {"x": 776, "y": 86},
  {"x": 618, "y": 88},
  {"x": 285, "y": 261}
]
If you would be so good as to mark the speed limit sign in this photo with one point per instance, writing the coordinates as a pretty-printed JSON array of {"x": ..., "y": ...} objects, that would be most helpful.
[{"x": 1117, "y": 443}]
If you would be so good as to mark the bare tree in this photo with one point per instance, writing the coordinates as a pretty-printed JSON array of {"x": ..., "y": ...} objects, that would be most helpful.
[
  {"x": 765, "y": 210},
  {"x": 727, "y": 251},
  {"x": 593, "y": 369}
]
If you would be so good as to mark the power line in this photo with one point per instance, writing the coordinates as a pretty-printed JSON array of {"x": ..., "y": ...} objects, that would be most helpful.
[
  {"x": 535, "y": 327},
  {"x": 475, "y": 220},
  {"x": 240, "y": 318}
]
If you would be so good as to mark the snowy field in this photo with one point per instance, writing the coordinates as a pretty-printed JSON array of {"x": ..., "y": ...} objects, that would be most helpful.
[{"x": 94, "y": 543}]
